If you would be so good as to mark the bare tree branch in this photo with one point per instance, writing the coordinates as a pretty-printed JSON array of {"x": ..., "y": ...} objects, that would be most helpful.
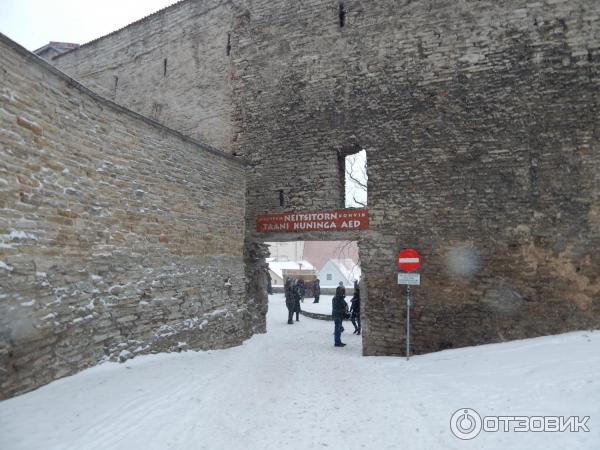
[
  {"x": 357, "y": 176},
  {"x": 358, "y": 202},
  {"x": 343, "y": 252}
]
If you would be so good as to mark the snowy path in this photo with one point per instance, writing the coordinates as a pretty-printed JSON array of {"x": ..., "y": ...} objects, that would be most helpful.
[
  {"x": 291, "y": 388},
  {"x": 323, "y": 307}
]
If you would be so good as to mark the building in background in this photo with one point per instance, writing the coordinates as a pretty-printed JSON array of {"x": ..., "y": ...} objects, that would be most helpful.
[
  {"x": 336, "y": 270},
  {"x": 315, "y": 252},
  {"x": 52, "y": 49},
  {"x": 319, "y": 252},
  {"x": 280, "y": 270},
  {"x": 286, "y": 251}
]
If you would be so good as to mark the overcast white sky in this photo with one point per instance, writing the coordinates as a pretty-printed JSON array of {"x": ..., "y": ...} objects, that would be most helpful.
[{"x": 34, "y": 23}]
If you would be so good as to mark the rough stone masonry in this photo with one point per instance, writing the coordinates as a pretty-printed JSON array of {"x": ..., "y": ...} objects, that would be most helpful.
[
  {"x": 118, "y": 236},
  {"x": 480, "y": 123},
  {"x": 479, "y": 119}
]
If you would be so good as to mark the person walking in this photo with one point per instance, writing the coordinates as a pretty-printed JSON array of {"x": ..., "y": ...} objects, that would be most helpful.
[
  {"x": 289, "y": 300},
  {"x": 341, "y": 285},
  {"x": 355, "y": 309},
  {"x": 297, "y": 297},
  {"x": 317, "y": 290},
  {"x": 338, "y": 312},
  {"x": 301, "y": 289}
]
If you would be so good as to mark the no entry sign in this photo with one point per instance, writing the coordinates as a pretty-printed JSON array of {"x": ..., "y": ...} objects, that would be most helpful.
[{"x": 408, "y": 260}]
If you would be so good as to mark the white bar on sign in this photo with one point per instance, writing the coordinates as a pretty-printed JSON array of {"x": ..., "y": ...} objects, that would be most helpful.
[
  {"x": 408, "y": 260},
  {"x": 411, "y": 279}
]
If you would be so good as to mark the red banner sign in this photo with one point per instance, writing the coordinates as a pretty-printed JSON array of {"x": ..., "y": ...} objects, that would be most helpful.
[{"x": 298, "y": 222}]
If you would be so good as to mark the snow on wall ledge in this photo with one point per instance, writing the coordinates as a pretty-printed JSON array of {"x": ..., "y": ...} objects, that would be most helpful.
[{"x": 118, "y": 236}]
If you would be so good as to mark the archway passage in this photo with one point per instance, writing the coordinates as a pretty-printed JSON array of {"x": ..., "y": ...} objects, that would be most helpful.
[{"x": 313, "y": 271}]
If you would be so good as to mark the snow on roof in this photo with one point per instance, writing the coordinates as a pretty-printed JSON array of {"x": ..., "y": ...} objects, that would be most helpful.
[
  {"x": 348, "y": 268},
  {"x": 279, "y": 266}
]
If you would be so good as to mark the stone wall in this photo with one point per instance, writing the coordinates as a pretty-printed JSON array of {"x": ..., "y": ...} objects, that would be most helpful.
[
  {"x": 173, "y": 66},
  {"x": 118, "y": 236},
  {"x": 480, "y": 123}
]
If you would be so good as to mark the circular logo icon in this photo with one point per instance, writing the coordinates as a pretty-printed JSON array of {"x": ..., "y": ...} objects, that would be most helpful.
[{"x": 465, "y": 424}]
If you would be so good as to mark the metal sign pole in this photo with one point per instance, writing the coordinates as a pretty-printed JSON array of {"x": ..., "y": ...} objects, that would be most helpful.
[
  {"x": 408, "y": 261},
  {"x": 407, "y": 322}
]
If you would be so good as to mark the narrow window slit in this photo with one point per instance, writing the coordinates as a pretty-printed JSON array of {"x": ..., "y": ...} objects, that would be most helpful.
[
  {"x": 165, "y": 67},
  {"x": 342, "y": 14},
  {"x": 281, "y": 200},
  {"x": 354, "y": 179},
  {"x": 228, "y": 44}
]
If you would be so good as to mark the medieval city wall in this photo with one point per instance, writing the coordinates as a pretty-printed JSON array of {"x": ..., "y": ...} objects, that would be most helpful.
[
  {"x": 173, "y": 66},
  {"x": 118, "y": 236},
  {"x": 480, "y": 123}
]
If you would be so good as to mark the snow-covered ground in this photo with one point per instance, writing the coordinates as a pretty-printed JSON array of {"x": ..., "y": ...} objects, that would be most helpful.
[
  {"x": 323, "y": 307},
  {"x": 291, "y": 388}
]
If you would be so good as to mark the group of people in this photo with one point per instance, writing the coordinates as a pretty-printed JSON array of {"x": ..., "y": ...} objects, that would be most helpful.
[
  {"x": 294, "y": 295},
  {"x": 340, "y": 311},
  {"x": 295, "y": 290}
]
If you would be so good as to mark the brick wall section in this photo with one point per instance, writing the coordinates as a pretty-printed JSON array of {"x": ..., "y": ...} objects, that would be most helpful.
[
  {"x": 117, "y": 235},
  {"x": 191, "y": 91},
  {"x": 480, "y": 123}
]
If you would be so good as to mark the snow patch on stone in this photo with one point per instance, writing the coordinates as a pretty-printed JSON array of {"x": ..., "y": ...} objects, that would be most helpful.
[
  {"x": 472, "y": 58},
  {"x": 165, "y": 331},
  {"x": 8, "y": 95},
  {"x": 125, "y": 355},
  {"x": 18, "y": 234},
  {"x": 219, "y": 312}
]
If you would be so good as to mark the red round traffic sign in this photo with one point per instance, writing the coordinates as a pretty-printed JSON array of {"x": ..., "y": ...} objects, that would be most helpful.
[{"x": 408, "y": 260}]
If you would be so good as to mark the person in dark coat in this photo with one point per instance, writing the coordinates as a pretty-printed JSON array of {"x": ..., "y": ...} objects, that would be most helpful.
[
  {"x": 296, "y": 291},
  {"x": 301, "y": 289},
  {"x": 289, "y": 300},
  {"x": 341, "y": 285},
  {"x": 338, "y": 312},
  {"x": 317, "y": 290},
  {"x": 269, "y": 284},
  {"x": 355, "y": 309}
]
